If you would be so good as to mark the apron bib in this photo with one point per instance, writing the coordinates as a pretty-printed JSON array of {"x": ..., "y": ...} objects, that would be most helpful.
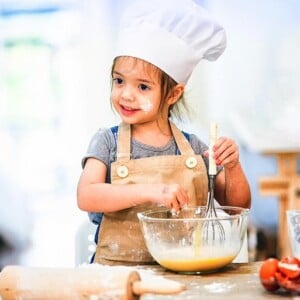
[{"x": 120, "y": 239}]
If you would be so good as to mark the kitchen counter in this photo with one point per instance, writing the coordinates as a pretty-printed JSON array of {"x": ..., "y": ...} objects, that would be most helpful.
[{"x": 237, "y": 281}]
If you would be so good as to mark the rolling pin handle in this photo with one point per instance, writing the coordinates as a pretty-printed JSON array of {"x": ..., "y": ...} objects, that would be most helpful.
[{"x": 162, "y": 287}]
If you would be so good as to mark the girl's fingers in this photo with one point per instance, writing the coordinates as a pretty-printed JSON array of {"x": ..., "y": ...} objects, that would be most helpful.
[
  {"x": 174, "y": 196},
  {"x": 175, "y": 206},
  {"x": 183, "y": 197},
  {"x": 226, "y": 152}
]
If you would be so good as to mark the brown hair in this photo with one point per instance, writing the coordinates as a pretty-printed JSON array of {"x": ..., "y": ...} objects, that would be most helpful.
[{"x": 167, "y": 84}]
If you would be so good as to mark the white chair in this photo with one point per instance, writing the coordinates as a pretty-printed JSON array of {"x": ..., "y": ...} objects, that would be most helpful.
[{"x": 84, "y": 242}]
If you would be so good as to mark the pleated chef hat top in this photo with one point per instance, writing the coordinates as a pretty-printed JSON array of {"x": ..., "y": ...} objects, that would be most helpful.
[{"x": 173, "y": 35}]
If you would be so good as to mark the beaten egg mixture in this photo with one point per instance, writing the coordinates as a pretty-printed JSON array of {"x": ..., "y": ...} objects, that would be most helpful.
[{"x": 185, "y": 260}]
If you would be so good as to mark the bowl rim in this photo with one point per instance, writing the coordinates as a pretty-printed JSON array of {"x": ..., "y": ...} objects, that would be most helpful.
[{"x": 144, "y": 215}]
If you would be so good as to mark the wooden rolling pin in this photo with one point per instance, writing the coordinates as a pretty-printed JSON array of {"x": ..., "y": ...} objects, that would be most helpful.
[{"x": 88, "y": 283}]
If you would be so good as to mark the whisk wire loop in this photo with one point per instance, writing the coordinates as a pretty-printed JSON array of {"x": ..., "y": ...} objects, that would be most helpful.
[{"x": 213, "y": 230}]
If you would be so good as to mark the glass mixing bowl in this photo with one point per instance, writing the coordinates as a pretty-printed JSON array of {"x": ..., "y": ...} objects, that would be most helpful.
[{"x": 188, "y": 242}]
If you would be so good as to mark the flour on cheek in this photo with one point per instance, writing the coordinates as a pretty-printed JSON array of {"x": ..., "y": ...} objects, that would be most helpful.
[{"x": 145, "y": 105}]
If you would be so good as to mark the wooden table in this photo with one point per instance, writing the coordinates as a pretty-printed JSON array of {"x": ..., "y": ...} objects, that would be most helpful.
[
  {"x": 237, "y": 281},
  {"x": 286, "y": 185}
]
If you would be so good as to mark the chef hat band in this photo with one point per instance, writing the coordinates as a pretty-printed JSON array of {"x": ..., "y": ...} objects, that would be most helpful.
[{"x": 173, "y": 35}]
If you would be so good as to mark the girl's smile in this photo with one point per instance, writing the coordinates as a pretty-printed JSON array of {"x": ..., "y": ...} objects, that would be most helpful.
[{"x": 128, "y": 111}]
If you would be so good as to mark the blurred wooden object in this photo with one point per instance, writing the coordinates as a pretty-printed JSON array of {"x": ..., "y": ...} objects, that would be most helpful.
[
  {"x": 95, "y": 281},
  {"x": 285, "y": 185}
]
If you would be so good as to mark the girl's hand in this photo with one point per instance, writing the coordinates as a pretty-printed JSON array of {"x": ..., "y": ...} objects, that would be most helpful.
[
  {"x": 172, "y": 196},
  {"x": 226, "y": 153}
]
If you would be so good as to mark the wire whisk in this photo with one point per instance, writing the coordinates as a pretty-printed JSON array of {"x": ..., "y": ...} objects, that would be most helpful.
[{"x": 212, "y": 229}]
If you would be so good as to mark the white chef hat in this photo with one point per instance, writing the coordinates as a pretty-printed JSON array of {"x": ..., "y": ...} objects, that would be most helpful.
[{"x": 173, "y": 35}]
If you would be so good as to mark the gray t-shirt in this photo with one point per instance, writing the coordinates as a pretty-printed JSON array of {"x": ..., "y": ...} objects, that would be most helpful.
[{"x": 103, "y": 146}]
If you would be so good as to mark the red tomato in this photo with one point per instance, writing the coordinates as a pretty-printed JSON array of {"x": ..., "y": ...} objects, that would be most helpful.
[
  {"x": 267, "y": 274},
  {"x": 291, "y": 285},
  {"x": 290, "y": 267},
  {"x": 291, "y": 260}
]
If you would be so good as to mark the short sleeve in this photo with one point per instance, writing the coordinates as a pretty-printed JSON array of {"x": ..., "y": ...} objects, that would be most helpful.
[{"x": 102, "y": 146}]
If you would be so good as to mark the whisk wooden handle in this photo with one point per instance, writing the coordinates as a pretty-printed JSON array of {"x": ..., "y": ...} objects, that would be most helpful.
[{"x": 212, "y": 170}]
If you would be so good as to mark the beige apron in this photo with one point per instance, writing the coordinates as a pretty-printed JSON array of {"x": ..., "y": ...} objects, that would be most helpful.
[{"x": 120, "y": 240}]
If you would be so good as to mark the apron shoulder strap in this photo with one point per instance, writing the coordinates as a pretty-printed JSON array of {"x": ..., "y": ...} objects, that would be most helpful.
[
  {"x": 183, "y": 144},
  {"x": 123, "y": 143}
]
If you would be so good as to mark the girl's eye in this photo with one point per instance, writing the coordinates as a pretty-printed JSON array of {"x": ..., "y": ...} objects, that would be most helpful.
[
  {"x": 144, "y": 87},
  {"x": 118, "y": 80}
]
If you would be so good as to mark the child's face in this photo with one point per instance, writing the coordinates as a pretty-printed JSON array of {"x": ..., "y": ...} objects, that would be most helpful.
[{"x": 136, "y": 90}]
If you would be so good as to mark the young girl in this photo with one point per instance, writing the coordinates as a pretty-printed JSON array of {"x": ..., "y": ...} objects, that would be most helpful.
[{"x": 146, "y": 161}]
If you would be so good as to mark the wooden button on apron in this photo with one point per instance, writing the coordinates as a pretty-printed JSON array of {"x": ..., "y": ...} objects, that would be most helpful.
[
  {"x": 191, "y": 162},
  {"x": 122, "y": 171}
]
